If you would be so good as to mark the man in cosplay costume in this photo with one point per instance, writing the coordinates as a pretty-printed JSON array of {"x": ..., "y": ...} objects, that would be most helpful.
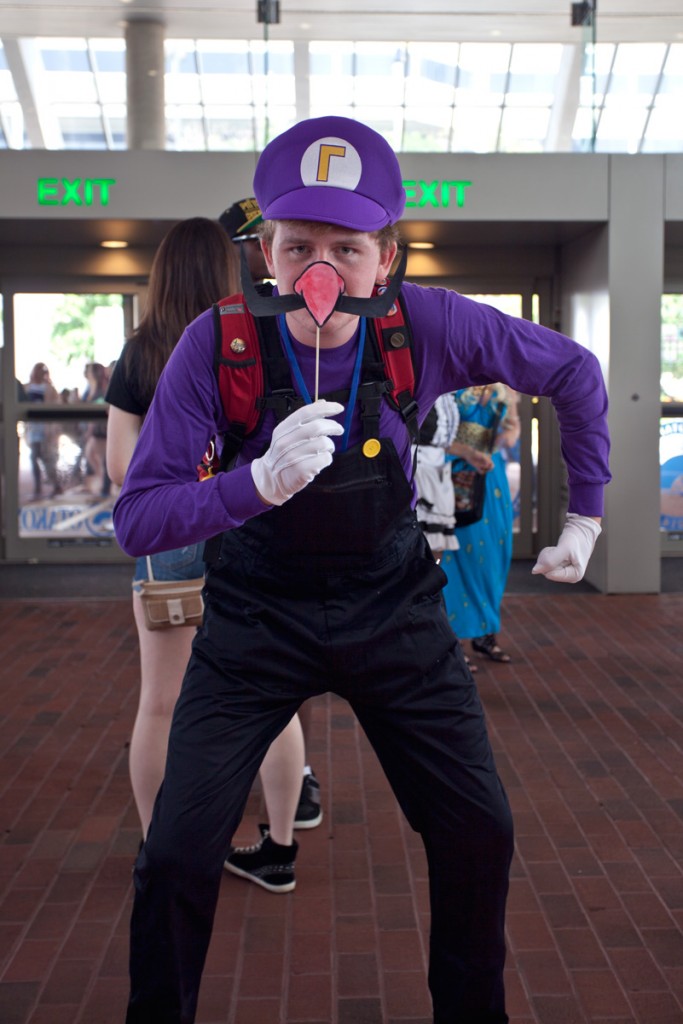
[{"x": 321, "y": 578}]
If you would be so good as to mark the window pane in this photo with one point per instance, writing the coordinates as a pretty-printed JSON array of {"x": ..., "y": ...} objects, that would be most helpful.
[
  {"x": 64, "y": 86},
  {"x": 230, "y": 128},
  {"x": 227, "y": 88},
  {"x": 476, "y": 130},
  {"x": 523, "y": 130},
  {"x": 182, "y": 88},
  {"x": 7, "y": 91},
  {"x": 223, "y": 57},
  {"x": 331, "y": 77},
  {"x": 180, "y": 57},
  {"x": 331, "y": 58},
  {"x": 276, "y": 58},
  {"x": 279, "y": 120},
  {"x": 637, "y": 65},
  {"x": 109, "y": 61},
  {"x": 63, "y": 489},
  {"x": 672, "y": 348},
  {"x": 431, "y": 71},
  {"x": 109, "y": 55},
  {"x": 427, "y": 130},
  {"x": 81, "y": 125},
  {"x": 662, "y": 134},
  {"x": 620, "y": 129},
  {"x": 672, "y": 78},
  {"x": 71, "y": 55},
  {"x": 482, "y": 73},
  {"x": 379, "y": 71},
  {"x": 185, "y": 128},
  {"x": 12, "y": 126},
  {"x": 533, "y": 74}
]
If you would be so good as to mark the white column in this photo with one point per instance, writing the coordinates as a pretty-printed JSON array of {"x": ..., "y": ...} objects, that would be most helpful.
[
  {"x": 636, "y": 281},
  {"x": 145, "y": 84}
]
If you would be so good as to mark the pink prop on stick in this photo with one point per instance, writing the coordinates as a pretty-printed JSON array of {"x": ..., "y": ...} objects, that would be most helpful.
[{"x": 320, "y": 287}]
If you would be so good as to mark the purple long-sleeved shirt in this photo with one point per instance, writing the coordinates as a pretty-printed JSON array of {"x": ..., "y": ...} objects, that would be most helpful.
[{"x": 457, "y": 342}]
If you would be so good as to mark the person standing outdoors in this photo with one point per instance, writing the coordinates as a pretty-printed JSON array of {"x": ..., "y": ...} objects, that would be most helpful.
[{"x": 41, "y": 437}]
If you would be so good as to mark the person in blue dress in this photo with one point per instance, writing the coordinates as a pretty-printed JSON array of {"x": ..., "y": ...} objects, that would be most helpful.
[{"x": 477, "y": 572}]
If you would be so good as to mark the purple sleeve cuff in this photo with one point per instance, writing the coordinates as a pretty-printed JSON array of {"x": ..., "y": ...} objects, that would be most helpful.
[
  {"x": 587, "y": 499},
  {"x": 239, "y": 495}
]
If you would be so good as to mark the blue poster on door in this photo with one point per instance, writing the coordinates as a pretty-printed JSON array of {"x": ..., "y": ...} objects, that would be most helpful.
[{"x": 671, "y": 475}]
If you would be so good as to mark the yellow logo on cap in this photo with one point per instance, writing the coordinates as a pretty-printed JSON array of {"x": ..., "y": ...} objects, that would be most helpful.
[
  {"x": 333, "y": 162},
  {"x": 326, "y": 154}
]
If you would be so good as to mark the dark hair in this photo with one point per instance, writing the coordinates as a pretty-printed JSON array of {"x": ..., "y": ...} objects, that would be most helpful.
[
  {"x": 194, "y": 266},
  {"x": 99, "y": 373},
  {"x": 39, "y": 373}
]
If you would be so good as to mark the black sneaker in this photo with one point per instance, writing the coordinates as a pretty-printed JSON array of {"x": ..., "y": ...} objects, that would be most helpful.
[
  {"x": 268, "y": 864},
  {"x": 309, "y": 812}
]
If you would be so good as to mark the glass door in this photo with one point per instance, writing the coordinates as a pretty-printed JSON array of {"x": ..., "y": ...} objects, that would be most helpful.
[
  {"x": 60, "y": 346},
  {"x": 671, "y": 425},
  {"x": 534, "y": 463}
]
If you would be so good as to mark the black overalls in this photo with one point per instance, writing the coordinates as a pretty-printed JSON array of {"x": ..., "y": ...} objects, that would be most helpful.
[{"x": 336, "y": 590}]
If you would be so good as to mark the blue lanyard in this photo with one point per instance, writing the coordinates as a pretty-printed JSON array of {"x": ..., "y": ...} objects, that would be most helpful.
[{"x": 301, "y": 383}]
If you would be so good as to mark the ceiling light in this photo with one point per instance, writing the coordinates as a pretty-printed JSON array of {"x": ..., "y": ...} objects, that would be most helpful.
[
  {"x": 112, "y": 243},
  {"x": 420, "y": 245}
]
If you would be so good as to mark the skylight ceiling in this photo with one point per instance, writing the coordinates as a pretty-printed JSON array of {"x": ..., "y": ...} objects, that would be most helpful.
[
  {"x": 436, "y": 97},
  {"x": 514, "y": 76}
]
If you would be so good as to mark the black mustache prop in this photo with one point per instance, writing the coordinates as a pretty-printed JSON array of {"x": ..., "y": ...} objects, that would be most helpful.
[{"x": 270, "y": 305}]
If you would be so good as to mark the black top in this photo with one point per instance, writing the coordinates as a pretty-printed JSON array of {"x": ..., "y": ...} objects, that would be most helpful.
[{"x": 124, "y": 390}]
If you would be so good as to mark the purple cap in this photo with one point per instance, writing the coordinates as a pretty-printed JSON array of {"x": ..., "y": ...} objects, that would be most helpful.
[{"x": 331, "y": 169}]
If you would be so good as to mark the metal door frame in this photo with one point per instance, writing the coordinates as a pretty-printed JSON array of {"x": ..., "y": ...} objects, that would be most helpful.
[
  {"x": 550, "y": 481},
  {"x": 672, "y": 546},
  {"x": 16, "y": 548}
]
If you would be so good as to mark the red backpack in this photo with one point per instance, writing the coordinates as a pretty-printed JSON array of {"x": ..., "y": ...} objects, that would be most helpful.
[{"x": 254, "y": 375}]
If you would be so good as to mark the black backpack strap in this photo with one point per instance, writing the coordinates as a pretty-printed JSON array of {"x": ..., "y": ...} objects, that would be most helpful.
[
  {"x": 428, "y": 428},
  {"x": 254, "y": 374},
  {"x": 278, "y": 394}
]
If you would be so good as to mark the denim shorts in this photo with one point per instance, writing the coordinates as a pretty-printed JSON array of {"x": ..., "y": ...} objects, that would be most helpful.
[{"x": 179, "y": 564}]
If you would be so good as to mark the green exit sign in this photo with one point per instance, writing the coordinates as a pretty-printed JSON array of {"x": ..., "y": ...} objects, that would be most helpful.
[
  {"x": 74, "y": 192},
  {"x": 440, "y": 194}
]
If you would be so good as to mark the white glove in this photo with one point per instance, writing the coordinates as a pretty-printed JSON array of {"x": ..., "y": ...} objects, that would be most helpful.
[
  {"x": 567, "y": 562},
  {"x": 299, "y": 448}
]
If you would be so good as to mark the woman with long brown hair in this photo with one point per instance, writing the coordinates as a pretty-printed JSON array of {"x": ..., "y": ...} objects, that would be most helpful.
[{"x": 194, "y": 266}]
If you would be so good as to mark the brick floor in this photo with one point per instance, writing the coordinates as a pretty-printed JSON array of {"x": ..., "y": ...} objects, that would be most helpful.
[{"x": 587, "y": 724}]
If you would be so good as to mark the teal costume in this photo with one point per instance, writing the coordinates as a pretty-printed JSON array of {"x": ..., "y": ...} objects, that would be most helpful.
[{"x": 477, "y": 573}]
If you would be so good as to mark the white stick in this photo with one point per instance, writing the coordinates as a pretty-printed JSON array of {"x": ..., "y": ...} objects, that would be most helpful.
[{"x": 317, "y": 359}]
